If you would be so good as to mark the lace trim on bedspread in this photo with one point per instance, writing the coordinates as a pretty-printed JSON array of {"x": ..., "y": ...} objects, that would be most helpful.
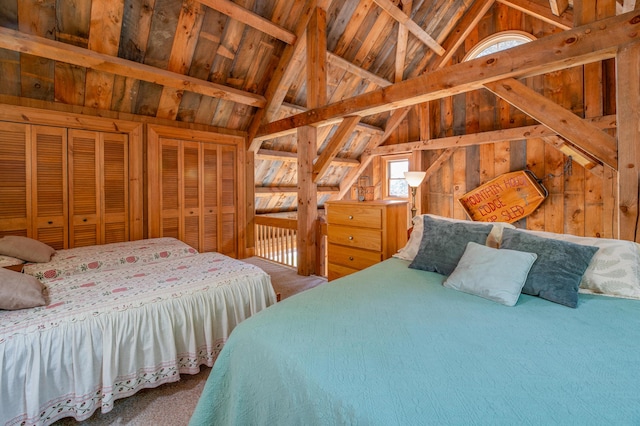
[{"x": 83, "y": 407}]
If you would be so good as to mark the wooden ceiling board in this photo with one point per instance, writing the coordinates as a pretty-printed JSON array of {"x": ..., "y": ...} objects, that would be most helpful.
[{"x": 190, "y": 38}]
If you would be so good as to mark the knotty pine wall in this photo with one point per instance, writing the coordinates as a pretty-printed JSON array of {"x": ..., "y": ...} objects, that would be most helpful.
[{"x": 582, "y": 203}]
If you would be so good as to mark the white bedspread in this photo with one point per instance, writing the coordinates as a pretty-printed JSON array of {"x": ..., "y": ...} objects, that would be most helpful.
[
  {"x": 106, "y": 335},
  {"x": 105, "y": 257}
]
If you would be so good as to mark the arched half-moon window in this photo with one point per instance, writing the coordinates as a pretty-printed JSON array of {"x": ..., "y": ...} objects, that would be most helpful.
[{"x": 500, "y": 41}]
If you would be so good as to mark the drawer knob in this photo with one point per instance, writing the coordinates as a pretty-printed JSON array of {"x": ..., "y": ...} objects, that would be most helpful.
[
  {"x": 50, "y": 222},
  {"x": 350, "y": 257},
  {"x": 350, "y": 237},
  {"x": 84, "y": 220},
  {"x": 350, "y": 217}
]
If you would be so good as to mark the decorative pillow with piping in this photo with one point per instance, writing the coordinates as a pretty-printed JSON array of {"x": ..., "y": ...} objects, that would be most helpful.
[
  {"x": 557, "y": 272},
  {"x": 409, "y": 251},
  {"x": 444, "y": 242},
  {"x": 19, "y": 291},
  {"x": 25, "y": 248},
  {"x": 614, "y": 269},
  {"x": 497, "y": 275}
]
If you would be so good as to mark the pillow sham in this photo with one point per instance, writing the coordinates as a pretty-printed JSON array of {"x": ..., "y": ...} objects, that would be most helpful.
[
  {"x": 482, "y": 272},
  {"x": 409, "y": 251},
  {"x": 614, "y": 269},
  {"x": 25, "y": 248},
  {"x": 556, "y": 274},
  {"x": 444, "y": 242},
  {"x": 19, "y": 291}
]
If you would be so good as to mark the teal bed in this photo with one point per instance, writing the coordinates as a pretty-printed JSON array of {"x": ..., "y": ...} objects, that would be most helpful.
[{"x": 391, "y": 345}]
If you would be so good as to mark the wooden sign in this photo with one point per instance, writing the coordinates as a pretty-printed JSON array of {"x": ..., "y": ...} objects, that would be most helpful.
[{"x": 507, "y": 198}]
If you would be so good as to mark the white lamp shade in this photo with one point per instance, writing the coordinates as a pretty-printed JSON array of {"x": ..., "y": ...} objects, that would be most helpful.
[{"x": 414, "y": 179}]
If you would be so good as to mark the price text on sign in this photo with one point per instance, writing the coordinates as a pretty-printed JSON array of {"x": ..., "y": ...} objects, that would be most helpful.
[{"x": 507, "y": 198}]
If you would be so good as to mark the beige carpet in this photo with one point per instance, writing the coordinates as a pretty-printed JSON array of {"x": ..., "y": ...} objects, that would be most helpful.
[{"x": 173, "y": 403}]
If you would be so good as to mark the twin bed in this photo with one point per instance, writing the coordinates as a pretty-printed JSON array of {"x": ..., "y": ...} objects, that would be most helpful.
[
  {"x": 119, "y": 318},
  {"x": 399, "y": 345}
]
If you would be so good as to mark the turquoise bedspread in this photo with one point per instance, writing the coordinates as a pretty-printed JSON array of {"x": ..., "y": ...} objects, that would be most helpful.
[{"x": 391, "y": 346}]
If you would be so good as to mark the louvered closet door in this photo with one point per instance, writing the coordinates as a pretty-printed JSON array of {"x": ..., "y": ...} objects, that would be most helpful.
[
  {"x": 219, "y": 199},
  {"x": 15, "y": 189},
  {"x": 227, "y": 202},
  {"x": 170, "y": 188},
  {"x": 191, "y": 211},
  {"x": 49, "y": 202},
  {"x": 114, "y": 224},
  {"x": 98, "y": 189},
  {"x": 198, "y": 194},
  {"x": 210, "y": 197},
  {"x": 33, "y": 181}
]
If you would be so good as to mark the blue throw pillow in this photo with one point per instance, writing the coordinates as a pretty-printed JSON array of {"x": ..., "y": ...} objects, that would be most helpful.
[
  {"x": 557, "y": 272},
  {"x": 443, "y": 244}
]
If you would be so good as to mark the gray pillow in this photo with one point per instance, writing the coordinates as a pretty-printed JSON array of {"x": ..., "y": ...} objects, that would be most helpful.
[
  {"x": 25, "y": 248},
  {"x": 444, "y": 242},
  {"x": 19, "y": 291},
  {"x": 481, "y": 271},
  {"x": 557, "y": 272}
]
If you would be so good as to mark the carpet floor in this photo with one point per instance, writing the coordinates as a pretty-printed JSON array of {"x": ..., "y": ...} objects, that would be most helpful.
[{"x": 172, "y": 404}]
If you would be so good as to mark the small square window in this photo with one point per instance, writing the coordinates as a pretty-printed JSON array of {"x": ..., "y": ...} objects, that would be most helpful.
[{"x": 395, "y": 184}]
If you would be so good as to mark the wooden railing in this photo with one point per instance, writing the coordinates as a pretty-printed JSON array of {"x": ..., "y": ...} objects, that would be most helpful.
[{"x": 276, "y": 239}]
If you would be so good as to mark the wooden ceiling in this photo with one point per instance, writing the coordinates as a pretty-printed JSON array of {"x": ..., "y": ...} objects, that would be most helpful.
[{"x": 238, "y": 64}]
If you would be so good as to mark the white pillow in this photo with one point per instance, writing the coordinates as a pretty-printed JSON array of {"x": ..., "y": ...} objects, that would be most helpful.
[
  {"x": 615, "y": 268},
  {"x": 497, "y": 275},
  {"x": 409, "y": 251}
]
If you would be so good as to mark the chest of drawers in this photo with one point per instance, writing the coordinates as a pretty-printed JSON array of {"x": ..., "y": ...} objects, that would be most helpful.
[{"x": 361, "y": 234}]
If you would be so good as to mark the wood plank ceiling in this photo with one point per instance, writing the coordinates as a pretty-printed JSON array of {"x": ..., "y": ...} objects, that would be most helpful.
[{"x": 239, "y": 65}]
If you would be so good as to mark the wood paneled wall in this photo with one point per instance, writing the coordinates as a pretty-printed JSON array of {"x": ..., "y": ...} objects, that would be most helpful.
[{"x": 582, "y": 202}]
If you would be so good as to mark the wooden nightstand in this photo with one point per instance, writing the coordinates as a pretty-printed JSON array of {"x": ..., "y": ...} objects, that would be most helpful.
[{"x": 361, "y": 234}]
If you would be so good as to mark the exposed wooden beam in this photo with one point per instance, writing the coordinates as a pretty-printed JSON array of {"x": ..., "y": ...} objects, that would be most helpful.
[
  {"x": 268, "y": 154},
  {"x": 401, "y": 45},
  {"x": 558, "y": 6},
  {"x": 50, "y": 49},
  {"x": 542, "y": 12},
  {"x": 334, "y": 145},
  {"x": 413, "y": 28},
  {"x": 469, "y": 21},
  {"x": 292, "y": 190},
  {"x": 251, "y": 19},
  {"x": 435, "y": 166},
  {"x": 628, "y": 111},
  {"x": 564, "y": 122},
  {"x": 588, "y": 43},
  {"x": 356, "y": 70},
  {"x": 316, "y": 79},
  {"x": 493, "y": 136},
  {"x": 290, "y": 61},
  {"x": 582, "y": 158},
  {"x": 376, "y": 131},
  {"x": 392, "y": 124}
]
